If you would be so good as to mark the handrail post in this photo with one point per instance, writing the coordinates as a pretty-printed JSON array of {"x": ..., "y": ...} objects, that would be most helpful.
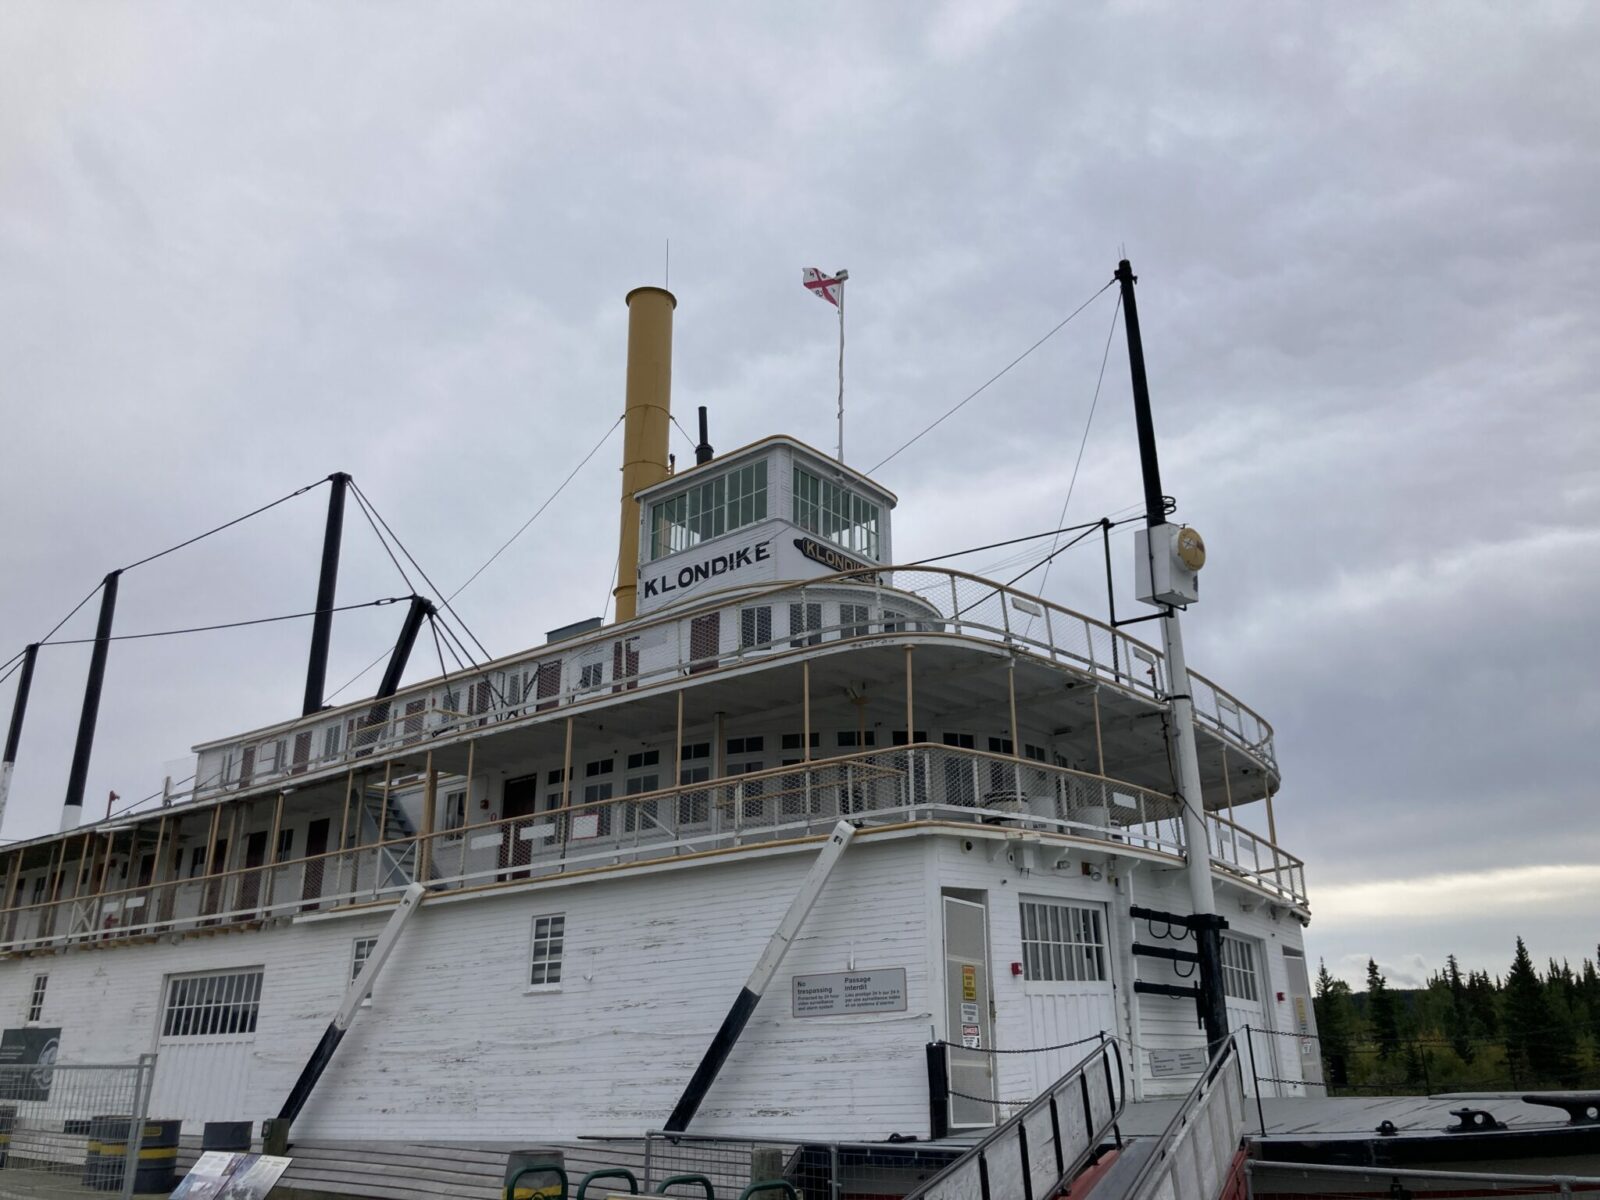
[{"x": 1255, "y": 1078}]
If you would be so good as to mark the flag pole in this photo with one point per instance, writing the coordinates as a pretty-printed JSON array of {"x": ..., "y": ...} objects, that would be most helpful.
[{"x": 842, "y": 276}]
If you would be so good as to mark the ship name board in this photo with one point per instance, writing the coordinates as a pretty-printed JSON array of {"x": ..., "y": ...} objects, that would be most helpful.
[
  {"x": 828, "y": 556},
  {"x": 847, "y": 992},
  {"x": 720, "y": 564}
]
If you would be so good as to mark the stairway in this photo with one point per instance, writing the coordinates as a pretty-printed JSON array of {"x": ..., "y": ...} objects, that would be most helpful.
[{"x": 397, "y": 865}]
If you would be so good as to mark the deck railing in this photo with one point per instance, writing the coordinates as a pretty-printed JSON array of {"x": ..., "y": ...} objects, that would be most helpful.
[
  {"x": 875, "y": 788},
  {"x": 717, "y": 636}
]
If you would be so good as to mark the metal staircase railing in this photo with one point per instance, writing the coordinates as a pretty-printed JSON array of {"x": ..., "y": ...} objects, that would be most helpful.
[
  {"x": 1037, "y": 1152},
  {"x": 1194, "y": 1156}
]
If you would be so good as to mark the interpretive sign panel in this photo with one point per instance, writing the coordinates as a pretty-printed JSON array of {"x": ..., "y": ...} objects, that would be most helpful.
[
  {"x": 838, "y": 995},
  {"x": 1177, "y": 1062}
]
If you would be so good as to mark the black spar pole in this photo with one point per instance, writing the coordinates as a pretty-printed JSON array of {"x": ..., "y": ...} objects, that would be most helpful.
[
  {"x": 19, "y": 710},
  {"x": 78, "y": 777},
  {"x": 327, "y": 587}
]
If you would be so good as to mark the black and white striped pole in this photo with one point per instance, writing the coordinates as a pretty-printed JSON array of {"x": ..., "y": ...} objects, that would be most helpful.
[
  {"x": 19, "y": 710},
  {"x": 359, "y": 989},
  {"x": 766, "y": 967}
]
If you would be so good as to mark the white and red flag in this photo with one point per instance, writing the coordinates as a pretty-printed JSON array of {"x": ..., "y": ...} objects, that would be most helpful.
[{"x": 826, "y": 286}]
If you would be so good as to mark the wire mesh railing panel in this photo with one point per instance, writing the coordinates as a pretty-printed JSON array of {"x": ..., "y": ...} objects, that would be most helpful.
[
  {"x": 71, "y": 1129},
  {"x": 895, "y": 601},
  {"x": 1194, "y": 1154},
  {"x": 1043, "y": 1146},
  {"x": 908, "y": 783}
]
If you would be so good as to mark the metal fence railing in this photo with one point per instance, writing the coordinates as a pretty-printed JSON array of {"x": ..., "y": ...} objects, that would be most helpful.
[
  {"x": 72, "y": 1129},
  {"x": 916, "y": 782},
  {"x": 1286, "y": 1180},
  {"x": 1196, "y": 1154},
  {"x": 817, "y": 1170}
]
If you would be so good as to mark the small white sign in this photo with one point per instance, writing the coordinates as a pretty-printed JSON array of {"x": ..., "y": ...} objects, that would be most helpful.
[
  {"x": 585, "y": 826},
  {"x": 1177, "y": 1062},
  {"x": 882, "y": 990},
  {"x": 530, "y": 832},
  {"x": 969, "y": 1012},
  {"x": 484, "y": 840},
  {"x": 971, "y": 1038}
]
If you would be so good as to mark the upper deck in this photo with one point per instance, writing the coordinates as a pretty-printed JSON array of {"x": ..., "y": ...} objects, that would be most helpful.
[{"x": 552, "y": 763}]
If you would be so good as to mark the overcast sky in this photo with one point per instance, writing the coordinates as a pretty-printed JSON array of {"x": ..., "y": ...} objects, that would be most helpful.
[{"x": 243, "y": 248}]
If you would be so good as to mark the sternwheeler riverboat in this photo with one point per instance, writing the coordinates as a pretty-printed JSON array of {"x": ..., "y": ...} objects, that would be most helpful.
[{"x": 909, "y": 820}]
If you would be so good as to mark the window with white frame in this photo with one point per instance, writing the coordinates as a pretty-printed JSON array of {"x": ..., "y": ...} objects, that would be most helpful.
[
  {"x": 455, "y": 810},
  {"x": 832, "y": 511},
  {"x": 694, "y": 808},
  {"x": 755, "y": 626},
  {"x": 216, "y": 1005},
  {"x": 853, "y": 621},
  {"x": 1062, "y": 943},
  {"x": 1239, "y": 969},
  {"x": 36, "y": 998},
  {"x": 805, "y": 624},
  {"x": 362, "y": 949},
  {"x": 710, "y": 509},
  {"x": 549, "y": 932},
  {"x": 644, "y": 775}
]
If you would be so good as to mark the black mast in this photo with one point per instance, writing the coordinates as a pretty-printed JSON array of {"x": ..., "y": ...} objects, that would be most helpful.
[
  {"x": 327, "y": 585},
  {"x": 72, "y": 810},
  {"x": 1207, "y": 927}
]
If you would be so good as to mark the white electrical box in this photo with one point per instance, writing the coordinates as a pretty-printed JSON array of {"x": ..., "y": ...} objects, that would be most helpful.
[{"x": 1167, "y": 562}]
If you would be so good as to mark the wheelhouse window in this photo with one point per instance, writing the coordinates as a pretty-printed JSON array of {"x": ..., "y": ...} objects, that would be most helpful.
[
  {"x": 549, "y": 934},
  {"x": 834, "y": 512},
  {"x": 1239, "y": 969},
  {"x": 729, "y": 501},
  {"x": 1062, "y": 943}
]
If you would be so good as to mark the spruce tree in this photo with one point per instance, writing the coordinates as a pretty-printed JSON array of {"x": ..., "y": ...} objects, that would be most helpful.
[
  {"x": 1458, "y": 1018},
  {"x": 1535, "y": 1037},
  {"x": 1336, "y": 1020},
  {"x": 1382, "y": 1012}
]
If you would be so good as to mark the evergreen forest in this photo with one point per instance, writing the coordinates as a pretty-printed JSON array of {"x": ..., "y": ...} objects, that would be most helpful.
[{"x": 1462, "y": 1032}]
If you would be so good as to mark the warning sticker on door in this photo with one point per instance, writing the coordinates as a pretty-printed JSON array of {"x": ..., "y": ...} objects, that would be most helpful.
[
  {"x": 969, "y": 1012},
  {"x": 969, "y": 982},
  {"x": 971, "y": 1038}
]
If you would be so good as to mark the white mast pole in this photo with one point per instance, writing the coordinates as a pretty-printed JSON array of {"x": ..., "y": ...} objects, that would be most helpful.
[{"x": 842, "y": 276}]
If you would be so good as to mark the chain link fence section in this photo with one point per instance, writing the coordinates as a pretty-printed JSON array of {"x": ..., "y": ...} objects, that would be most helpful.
[
  {"x": 817, "y": 1170},
  {"x": 64, "y": 1128}
]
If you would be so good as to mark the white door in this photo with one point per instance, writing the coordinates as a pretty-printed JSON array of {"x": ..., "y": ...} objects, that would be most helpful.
[
  {"x": 1066, "y": 977},
  {"x": 1244, "y": 984},
  {"x": 968, "y": 1028},
  {"x": 204, "y": 1047}
]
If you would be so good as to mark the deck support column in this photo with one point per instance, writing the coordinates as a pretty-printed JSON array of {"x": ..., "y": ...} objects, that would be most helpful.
[
  {"x": 430, "y": 796},
  {"x": 1099, "y": 744},
  {"x": 805, "y": 708}
]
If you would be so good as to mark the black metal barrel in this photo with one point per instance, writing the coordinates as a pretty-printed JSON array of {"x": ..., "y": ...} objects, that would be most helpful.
[{"x": 106, "y": 1155}]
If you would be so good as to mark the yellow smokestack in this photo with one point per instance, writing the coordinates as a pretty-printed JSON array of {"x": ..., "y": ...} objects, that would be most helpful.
[{"x": 645, "y": 425}]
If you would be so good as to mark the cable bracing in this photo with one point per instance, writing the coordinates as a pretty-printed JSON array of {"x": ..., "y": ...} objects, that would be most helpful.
[{"x": 1065, "y": 321}]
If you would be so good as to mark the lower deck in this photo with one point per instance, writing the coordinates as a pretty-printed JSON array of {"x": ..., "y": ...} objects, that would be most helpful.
[{"x": 565, "y": 1005}]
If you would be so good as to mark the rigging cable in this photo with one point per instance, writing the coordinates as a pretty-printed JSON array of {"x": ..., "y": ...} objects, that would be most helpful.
[
  {"x": 995, "y": 377},
  {"x": 537, "y": 513},
  {"x": 1087, "y": 425},
  {"x": 540, "y": 510},
  {"x": 461, "y": 621},
  {"x": 131, "y": 637},
  {"x": 200, "y": 537}
]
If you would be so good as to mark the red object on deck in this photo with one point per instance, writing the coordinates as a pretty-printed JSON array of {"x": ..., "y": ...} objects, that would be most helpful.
[{"x": 1084, "y": 1183}]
